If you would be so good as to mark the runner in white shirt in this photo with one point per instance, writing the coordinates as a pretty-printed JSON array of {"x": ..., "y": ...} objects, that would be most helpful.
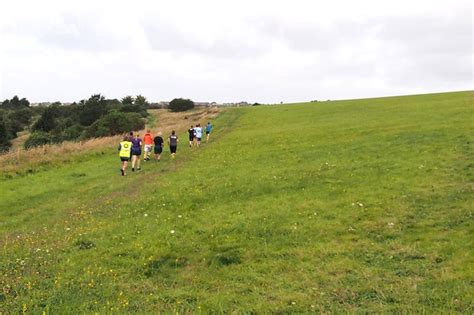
[{"x": 198, "y": 133}]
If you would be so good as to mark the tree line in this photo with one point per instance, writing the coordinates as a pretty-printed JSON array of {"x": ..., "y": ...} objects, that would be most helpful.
[{"x": 89, "y": 118}]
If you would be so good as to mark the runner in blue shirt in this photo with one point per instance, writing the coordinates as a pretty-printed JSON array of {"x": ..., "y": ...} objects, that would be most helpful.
[
  {"x": 198, "y": 133},
  {"x": 208, "y": 131}
]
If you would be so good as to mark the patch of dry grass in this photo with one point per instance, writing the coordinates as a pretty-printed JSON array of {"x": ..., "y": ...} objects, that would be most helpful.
[
  {"x": 167, "y": 121},
  {"x": 18, "y": 142}
]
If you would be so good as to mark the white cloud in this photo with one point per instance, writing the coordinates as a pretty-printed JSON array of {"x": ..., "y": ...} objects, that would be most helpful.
[{"x": 265, "y": 51}]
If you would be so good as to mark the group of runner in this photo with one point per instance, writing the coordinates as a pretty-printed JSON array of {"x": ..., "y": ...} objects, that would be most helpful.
[
  {"x": 130, "y": 149},
  {"x": 195, "y": 134}
]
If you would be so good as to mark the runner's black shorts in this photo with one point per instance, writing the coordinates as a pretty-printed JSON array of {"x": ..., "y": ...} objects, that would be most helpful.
[
  {"x": 191, "y": 138},
  {"x": 158, "y": 149},
  {"x": 208, "y": 132},
  {"x": 172, "y": 148},
  {"x": 137, "y": 152},
  {"x": 124, "y": 159}
]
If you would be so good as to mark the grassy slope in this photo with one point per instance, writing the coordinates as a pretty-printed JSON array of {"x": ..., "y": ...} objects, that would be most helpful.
[{"x": 355, "y": 205}]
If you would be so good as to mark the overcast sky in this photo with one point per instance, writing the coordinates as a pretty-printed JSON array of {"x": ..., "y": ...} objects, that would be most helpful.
[{"x": 228, "y": 51}]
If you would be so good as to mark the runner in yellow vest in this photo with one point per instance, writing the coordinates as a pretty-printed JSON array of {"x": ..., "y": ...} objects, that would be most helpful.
[{"x": 125, "y": 148}]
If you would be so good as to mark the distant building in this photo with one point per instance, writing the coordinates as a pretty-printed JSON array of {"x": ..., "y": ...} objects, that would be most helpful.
[
  {"x": 165, "y": 104},
  {"x": 41, "y": 104},
  {"x": 202, "y": 104},
  {"x": 45, "y": 104}
]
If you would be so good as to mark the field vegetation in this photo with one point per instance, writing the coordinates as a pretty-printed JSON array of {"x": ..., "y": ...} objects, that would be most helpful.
[{"x": 341, "y": 206}]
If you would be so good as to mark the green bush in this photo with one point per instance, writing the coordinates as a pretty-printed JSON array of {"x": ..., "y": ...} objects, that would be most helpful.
[
  {"x": 73, "y": 132},
  {"x": 21, "y": 118},
  {"x": 5, "y": 143},
  {"x": 47, "y": 121},
  {"x": 96, "y": 130},
  {"x": 181, "y": 105},
  {"x": 115, "y": 123},
  {"x": 38, "y": 138},
  {"x": 138, "y": 105},
  {"x": 92, "y": 109}
]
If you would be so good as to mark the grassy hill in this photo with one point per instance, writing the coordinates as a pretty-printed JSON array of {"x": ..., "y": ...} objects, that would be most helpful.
[{"x": 360, "y": 205}]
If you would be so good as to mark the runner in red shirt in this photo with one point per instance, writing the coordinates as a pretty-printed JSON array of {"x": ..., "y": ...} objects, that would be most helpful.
[{"x": 148, "y": 140}]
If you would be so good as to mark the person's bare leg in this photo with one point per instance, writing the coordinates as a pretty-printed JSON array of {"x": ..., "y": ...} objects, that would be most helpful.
[
  {"x": 124, "y": 167},
  {"x": 134, "y": 162}
]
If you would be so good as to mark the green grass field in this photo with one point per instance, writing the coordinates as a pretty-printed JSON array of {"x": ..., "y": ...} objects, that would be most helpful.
[{"x": 358, "y": 205}]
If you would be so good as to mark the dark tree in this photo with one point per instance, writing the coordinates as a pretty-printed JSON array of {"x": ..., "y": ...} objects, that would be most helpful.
[
  {"x": 94, "y": 108},
  {"x": 24, "y": 102},
  {"x": 115, "y": 123},
  {"x": 15, "y": 103},
  {"x": 21, "y": 117},
  {"x": 47, "y": 121},
  {"x": 181, "y": 105},
  {"x": 135, "y": 105},
  {"x": 141, "y": 101},
  {"x": 128, "y": 100},
  {"x": 5, "y": 143}
]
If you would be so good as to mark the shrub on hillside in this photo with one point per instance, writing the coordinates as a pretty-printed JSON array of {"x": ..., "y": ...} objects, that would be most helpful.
[
  {"x": 73, "y": 132},
  {"x": 181, "y": 105},
  {"x": 132, "y": 108},
  {"x": 115, "y": 123},
  {"x": 15, "y": 103},
  {"x": 138, "y": 104},
  {"x": 92, "y": 109},
  {"x": 5, "y": 143},
  {"x": 141, "y": 101},
  {"x": 11, "y": 128},
  {"x": 47, "y": 121},
  {"x": 21, "y": 118},
  {"x": 38, "y": 138}
]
